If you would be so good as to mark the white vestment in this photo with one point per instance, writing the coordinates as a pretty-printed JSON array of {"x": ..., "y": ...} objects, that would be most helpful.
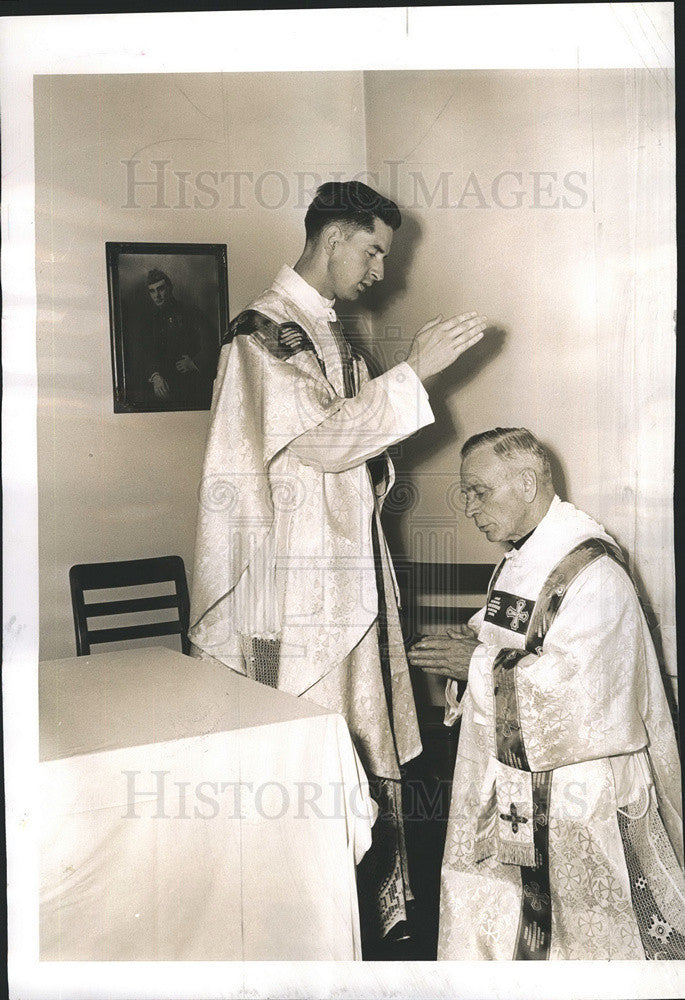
[
  {"x": 290, "y": 557},
  {"x": 565, "y": 837}
]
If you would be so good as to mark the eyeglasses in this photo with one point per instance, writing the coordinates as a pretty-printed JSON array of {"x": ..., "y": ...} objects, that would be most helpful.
[{"x": 475, "y": 494}]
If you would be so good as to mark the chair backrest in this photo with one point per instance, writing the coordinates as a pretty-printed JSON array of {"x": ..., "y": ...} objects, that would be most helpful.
[
  {"x": 129, "y": 573},
  {"x": 435, "y": 595},
  {"x": 439, "y": 594}
]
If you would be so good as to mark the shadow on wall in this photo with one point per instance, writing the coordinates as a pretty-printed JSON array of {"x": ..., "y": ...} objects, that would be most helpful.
[
  {"x": 431, "y": 440},
  {"x": 434, "y": 438},
  {"x": 382, "y": 346},
  {"x": 383, "y": 294}
]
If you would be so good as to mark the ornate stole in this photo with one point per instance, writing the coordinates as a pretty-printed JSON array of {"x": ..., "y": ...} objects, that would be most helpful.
[
  {"x": 283, "y": 340},
  {"x": 534, "y": 934},
  {"x": 349, "y": 382}
]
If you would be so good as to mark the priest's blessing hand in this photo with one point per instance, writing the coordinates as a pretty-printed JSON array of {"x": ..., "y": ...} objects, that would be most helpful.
[
  {"x": 448, "y": 655},
  {"x": 441, "y": 341}
]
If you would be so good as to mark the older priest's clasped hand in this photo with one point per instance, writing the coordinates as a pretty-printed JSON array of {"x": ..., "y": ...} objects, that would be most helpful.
[{"x": 447, "y": 654}]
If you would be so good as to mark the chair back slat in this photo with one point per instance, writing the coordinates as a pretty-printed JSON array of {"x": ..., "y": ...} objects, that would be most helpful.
[
  {"x": 448, "y": 578},
  {"x": 121, "y": 632},
  {"x": 129, "y": 573},
  {"x": 131, "y": 605}
]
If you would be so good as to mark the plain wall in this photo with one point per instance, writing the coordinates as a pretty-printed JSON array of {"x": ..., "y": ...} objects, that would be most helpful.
[
  {"x": 117, "y": 486},
  {"x": 576, "y": 275}
]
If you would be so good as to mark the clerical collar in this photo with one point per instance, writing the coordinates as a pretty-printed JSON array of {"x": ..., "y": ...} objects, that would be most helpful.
[
  {"x": 304, "y": 294},
  {"x": 522, "y": 541}
]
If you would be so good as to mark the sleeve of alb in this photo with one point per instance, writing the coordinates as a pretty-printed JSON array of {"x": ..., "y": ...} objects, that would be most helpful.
[
  {"x": 386, "y": 410},
  {"x": 585, "y": 696}
]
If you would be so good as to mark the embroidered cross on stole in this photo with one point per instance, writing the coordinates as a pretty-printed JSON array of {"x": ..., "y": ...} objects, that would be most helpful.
[{"x": 533, "y": 939}]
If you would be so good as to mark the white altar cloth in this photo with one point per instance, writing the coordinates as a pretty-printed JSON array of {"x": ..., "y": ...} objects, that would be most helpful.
[{"x": 188, "y": 813}]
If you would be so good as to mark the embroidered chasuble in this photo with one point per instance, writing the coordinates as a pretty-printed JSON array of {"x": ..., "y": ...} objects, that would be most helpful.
[
  {"x": 293, "y": 583},
  {"x": 564, "y": 838}
]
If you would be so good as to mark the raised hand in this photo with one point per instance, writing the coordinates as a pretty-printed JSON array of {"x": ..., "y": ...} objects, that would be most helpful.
[{"x": 442, "y": 341}]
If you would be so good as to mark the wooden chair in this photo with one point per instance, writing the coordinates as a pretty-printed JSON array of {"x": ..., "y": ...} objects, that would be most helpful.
[
  {"x": 460, "y": 590},
  {"x": 129, "y": 573},
  {"x": 433, "y": 596}
]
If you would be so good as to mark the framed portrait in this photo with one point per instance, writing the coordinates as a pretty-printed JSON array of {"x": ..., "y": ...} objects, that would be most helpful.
[{"x": 168, "y": 308}]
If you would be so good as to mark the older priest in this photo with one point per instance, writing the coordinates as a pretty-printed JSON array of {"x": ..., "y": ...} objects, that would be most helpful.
[
  {"x": 292, "y": 583},
  {"x": 565, "y": 836}
]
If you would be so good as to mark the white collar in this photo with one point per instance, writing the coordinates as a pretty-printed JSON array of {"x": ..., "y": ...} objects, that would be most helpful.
[
  {"x": 551, "y": 510},
  {"x": 562, "y": 527},
  {"x": 303, "y": 294}
]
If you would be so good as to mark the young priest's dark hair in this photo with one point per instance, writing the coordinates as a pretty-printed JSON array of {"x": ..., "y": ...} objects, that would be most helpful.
[{"x": 349, "y": 203}]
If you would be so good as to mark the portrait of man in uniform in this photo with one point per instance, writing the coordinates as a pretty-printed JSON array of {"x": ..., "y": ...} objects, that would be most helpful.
[{"x": 168, "y": 308}]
